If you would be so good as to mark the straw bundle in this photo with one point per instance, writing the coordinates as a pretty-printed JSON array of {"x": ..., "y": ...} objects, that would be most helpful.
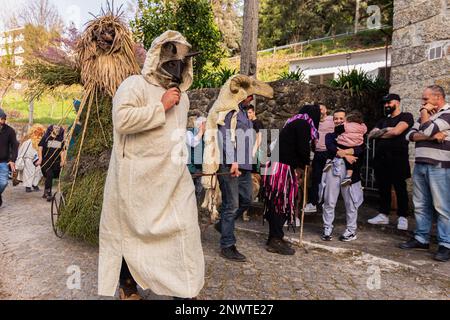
[
  {"x": 106, "y": 57},
  {"x": 106, "y": 54}
]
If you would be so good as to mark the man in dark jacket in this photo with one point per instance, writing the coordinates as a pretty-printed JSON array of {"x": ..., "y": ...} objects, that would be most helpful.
[
  {"x": 236, "y": 179},
  {"x": 8, "y": 152},
  {"x": 331, "y": 180}
]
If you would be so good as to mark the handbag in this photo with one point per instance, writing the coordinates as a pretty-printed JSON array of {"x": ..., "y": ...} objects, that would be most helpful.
[{"x": 20, "y": 162}]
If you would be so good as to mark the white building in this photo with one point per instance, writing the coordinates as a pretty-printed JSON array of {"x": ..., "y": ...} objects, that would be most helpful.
[
  {"x": 11, "y": 43},
  {"x": 321, "y": 69}
]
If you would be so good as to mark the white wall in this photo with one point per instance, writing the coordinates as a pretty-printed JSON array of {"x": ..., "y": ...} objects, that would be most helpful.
[{"x": 368, "y": 61}]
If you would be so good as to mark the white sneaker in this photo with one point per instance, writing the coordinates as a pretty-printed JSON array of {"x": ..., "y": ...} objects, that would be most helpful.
[
  {"x": 381, "y": 218},
  {"x": 402, "y": 223},
  {"x": 310, "y": 208}
]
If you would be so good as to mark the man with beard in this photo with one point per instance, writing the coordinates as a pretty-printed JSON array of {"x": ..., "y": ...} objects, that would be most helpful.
[
  {"x": 149, "y": 232},
  {"x": 391, "y": 162}
]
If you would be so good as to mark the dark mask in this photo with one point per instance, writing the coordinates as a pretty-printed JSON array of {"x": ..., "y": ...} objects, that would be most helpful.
[
  {"x": 339, "y": 129},
  {"x": 388, "y": 110},
  {"x": 175, "y": 68}
]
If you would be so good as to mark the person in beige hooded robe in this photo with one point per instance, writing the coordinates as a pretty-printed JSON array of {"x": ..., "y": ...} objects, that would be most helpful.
[{"x": 149, "y": 217}]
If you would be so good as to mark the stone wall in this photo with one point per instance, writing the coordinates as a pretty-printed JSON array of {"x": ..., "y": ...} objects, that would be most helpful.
[
  {"x": 289, "y": 96},
  {"x": 418, "y": 26}
]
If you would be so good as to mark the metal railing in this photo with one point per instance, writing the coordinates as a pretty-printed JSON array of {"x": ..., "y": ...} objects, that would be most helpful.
[
  {"x": 306, "y": 42},
  {"x": 368, "y": 172}
]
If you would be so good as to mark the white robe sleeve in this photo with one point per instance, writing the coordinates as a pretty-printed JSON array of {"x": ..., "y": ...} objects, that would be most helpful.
[{"x": 130, "y": 116}]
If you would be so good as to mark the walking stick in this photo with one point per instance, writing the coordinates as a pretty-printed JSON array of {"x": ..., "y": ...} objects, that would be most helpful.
[{"x": 305, "y": 186}]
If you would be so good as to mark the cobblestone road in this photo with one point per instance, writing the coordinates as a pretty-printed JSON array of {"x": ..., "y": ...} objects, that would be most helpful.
[{"x": 34, "y": 264}]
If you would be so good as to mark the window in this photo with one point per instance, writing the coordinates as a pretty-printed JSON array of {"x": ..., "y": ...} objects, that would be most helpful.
[
  {"x": 435, "y": 53},
  {"x": 321, "y": 78}
]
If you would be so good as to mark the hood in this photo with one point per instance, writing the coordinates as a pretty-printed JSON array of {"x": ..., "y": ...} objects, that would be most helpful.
[
  {"x": 150, "y": 69},
  {"x": 313, "y": 111}
]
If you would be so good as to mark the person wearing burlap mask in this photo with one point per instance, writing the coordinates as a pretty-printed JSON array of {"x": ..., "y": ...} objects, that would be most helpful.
[{"x": 149, "y": 232}]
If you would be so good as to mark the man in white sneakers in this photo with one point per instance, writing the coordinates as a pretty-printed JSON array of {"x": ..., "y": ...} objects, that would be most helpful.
[{"x": 391, "y": 162}]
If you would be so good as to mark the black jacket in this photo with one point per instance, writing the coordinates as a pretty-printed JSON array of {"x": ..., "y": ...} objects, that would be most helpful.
[
  {"x": 8, "y": 144},
  {"x": 294, "y": 144}
]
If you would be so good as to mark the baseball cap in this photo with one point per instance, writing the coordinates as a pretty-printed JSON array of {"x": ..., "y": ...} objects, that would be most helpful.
[{"x": 390, "y": 97}]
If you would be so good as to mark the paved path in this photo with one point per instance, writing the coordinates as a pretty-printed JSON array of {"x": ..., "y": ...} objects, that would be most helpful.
[{"x": 34, "y": 263}]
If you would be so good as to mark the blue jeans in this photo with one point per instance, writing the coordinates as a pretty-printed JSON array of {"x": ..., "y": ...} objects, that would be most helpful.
[
  {"x": 236, "y": 199},
  {"x": 431, "y": 195},
  {"x": 4, "y": 173}
]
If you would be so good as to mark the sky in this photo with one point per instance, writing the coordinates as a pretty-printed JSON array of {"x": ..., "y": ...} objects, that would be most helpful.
[{"x": 76, "y": 11}]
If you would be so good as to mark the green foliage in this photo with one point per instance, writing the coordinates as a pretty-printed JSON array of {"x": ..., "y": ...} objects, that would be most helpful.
[
  {"x": 80, "y": 217},
  {"x": 214, "y": 79},
  {"x": 297, "y": 75},
  {"x": 46, "y": 76},
  {"x": 358, "y": 82},
  {"x": 289, "y": 21},
  {"x": 192, "y": 18},
  {"x": 49, "y": 109}
]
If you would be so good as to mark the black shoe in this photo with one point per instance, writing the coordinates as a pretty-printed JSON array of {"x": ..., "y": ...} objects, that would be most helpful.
[
  {"x": 326, "y": 237},
  {"x": 36, "y": 188},
  {"x": 279, "y": 246},
  {"x": 218, "y": 227},
  {"x": 443, "y": 254},
  {"x": 414, "y": 244},
  {"x": 28, "y": 190},
  {"x": 46, "y": 193},
  {"x": 232, "y": 254}
]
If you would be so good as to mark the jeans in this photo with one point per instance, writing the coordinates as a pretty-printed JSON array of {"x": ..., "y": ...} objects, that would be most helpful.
[
  {"x": 385, "y": 182},
  {"x": 4, "y": 174},
  {"x": 431, "y": 195},
  {"x": 318, "y": 163},
  {"x": 236, "y": 199}
]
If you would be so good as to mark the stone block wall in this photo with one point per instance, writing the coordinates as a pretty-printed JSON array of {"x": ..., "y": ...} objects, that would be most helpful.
[
  {"x": 289, "y": 96},
  {"x": 418, "y": 26}
]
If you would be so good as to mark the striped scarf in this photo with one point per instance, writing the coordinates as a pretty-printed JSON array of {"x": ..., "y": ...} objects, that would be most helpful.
[
  {"x": 280, "y": 189},
  {"x": 304, "y": 116}
]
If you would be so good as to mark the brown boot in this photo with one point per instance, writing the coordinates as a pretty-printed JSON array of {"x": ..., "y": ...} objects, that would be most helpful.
[
  {"x": 128, "y": 291},
  {"x": 132, "y": 296}
]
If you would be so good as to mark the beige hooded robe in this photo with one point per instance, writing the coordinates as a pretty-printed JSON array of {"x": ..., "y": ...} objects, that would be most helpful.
[{"x": 149, "y": 213}]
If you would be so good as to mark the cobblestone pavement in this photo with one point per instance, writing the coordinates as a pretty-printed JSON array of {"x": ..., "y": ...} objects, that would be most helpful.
[{"x": 34, "y": 264}]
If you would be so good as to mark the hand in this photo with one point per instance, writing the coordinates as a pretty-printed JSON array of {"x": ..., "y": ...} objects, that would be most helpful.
[
  {"x": 254, "y": 151},
  {"x": 171, "y": 98},
  {"x": 439, "y": 137},
  {"x": 12, "y": 165},
  {"x": 341, "y": 153},
  {"x": 351, "y": 159},
  {"x": 235, "y": 170},
  {"x": 38, "y": 163},
  {"x": 202, "y": 128},
  {"x": 429, "y": 108},
  {"x": 62, "y": 164}
]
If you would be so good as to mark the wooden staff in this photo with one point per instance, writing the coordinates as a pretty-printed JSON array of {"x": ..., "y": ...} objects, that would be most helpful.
[{"x": 305, "y": 187}]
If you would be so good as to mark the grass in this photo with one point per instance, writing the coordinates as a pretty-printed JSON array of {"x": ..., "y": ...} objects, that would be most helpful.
[
  {"x": 272, "y": 65},
  {"x": 50, "y": 109}
]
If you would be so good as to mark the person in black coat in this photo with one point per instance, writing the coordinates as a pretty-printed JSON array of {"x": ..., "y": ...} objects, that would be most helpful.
[
  {"x": 8, "y": 152},
  {"x": 280, "y": 183}
]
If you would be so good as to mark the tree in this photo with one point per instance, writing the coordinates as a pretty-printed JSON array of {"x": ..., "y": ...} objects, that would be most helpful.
[
  {"x": 40, "y": 13},
  {"x": 250, "y": 38},
  {"x": 289, "y": 21},
  {"x": 193, "y": 18},
  {"x": 228, "y": 17}
]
